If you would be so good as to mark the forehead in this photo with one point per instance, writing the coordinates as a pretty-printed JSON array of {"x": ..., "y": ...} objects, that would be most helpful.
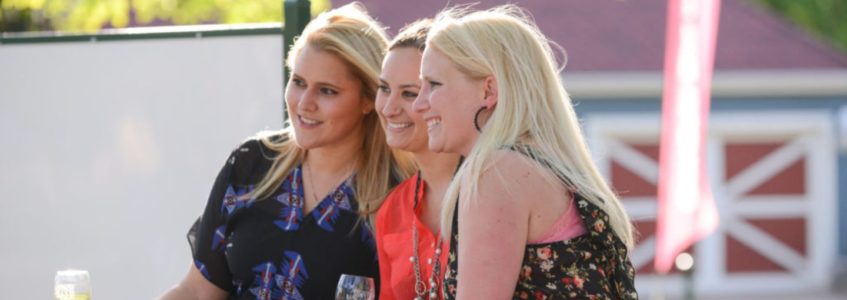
[
  {"x": 401, "y": 62},
  {"x": 314, "y": 64},
  {"x": 434, "y": 61}
]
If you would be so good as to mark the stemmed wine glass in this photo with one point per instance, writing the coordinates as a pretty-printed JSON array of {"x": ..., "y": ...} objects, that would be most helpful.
[
  {"x": 72, "y": 285},
  {"x": 353, "y": 287}
]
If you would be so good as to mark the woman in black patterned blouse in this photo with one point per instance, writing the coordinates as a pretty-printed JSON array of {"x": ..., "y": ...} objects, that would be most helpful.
[{"x": 288, "y": 213}]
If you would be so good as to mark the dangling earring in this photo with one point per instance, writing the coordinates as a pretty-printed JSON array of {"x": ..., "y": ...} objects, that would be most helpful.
[{"x": 476, "y": 118}]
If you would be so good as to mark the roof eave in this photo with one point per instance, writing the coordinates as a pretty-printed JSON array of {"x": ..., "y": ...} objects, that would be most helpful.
[{"x": 744, "y": 83}]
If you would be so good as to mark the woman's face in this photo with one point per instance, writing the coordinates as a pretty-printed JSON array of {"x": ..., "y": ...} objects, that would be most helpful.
[
  {"x": 405, "y": 129},
  {"x": 448, "y": 100},
  {"x": 324, "y": 99}
]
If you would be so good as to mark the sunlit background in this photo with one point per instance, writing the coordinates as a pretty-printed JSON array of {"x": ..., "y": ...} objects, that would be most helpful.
[
  {"x": 91, "y": 16},
  {"x": 112, "y": 135}
]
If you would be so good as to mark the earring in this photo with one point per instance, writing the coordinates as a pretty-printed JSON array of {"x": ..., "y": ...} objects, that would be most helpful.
[{"x": 476, "y": 118}]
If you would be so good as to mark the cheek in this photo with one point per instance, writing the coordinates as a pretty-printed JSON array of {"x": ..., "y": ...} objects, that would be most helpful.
[
  {"x": 349, "y": 114},
  {"x": 379, "y": 104},
  {"x": 445, "y": 102},
  {"x": 290, "y": 98},
  {"x": 407, "y": 106},
  {"x": 436, "y": 99},
  {"x": 416, "y": 117}
]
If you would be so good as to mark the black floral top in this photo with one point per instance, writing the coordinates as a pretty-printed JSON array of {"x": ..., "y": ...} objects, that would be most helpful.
[
  {"x": 271, "y": 248},
  {"x": 592, "y": 266}
]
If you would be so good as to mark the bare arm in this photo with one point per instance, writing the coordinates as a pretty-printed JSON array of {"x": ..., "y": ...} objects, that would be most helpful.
[
  {"x": 493, "y": 226},
  {"x": 194, "y": 286}
]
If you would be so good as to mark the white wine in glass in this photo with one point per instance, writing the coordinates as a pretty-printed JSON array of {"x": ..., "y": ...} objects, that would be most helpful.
[
  {"x": 72, "y": 285},
  {"x": 353, "y": 287}
]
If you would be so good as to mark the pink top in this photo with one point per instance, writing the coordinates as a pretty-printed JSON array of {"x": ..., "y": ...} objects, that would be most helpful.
[{"x": 568, "y": 226}]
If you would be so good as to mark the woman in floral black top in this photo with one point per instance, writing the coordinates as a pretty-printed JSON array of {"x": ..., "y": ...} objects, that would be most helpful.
[
  {"x": 286, "y": 216},
  {"x": 528, "y": 214}
]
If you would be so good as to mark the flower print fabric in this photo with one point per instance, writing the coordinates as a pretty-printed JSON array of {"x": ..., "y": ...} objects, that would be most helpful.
[{"x": 594, "y": 265}]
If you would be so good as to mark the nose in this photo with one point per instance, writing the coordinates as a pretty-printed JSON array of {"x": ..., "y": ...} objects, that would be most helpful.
[
  {"x": 307, "y": 101},
  {"x": 421, "y": 104},
  {"x": 391, "y": 108}
]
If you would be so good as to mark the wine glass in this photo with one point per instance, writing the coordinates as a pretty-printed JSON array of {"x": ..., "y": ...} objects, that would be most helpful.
[
  {"x": 72, "y": 285},
  {"x": 353, "y": 287}
]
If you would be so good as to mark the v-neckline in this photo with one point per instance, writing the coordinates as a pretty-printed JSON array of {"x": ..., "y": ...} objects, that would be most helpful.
[
  {"x": 344, "y": 187},
  {"x": 419, "y": 204}
]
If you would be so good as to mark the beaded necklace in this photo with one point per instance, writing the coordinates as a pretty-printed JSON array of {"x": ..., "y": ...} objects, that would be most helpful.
[{"x": 420, "y": 286}]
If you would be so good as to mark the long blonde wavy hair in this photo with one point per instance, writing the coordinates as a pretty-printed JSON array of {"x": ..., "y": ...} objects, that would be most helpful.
[
  {"x": 351, "y": 34},
  {"x": 533, "y": 108}
]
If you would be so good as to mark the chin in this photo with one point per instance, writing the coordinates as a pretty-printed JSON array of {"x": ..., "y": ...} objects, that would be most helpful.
[
  {"x": 438, "y": 148},
  {"x": 395, "y": 146},
  {"x": 304, "y": 143}
]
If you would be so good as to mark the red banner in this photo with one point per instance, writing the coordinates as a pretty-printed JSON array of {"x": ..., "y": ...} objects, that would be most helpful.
[{"x": 686, "y": 211}]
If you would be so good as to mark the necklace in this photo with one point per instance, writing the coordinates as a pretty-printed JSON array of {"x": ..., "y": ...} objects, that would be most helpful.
[
  {"x": 312, "y": 181},
  {"x": 420, "y": 286}
]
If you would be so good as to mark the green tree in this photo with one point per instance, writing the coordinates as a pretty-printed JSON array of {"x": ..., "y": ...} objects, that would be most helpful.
[
  {"x": 92, "y": 15},
  {"x": 826, "y": 19}
]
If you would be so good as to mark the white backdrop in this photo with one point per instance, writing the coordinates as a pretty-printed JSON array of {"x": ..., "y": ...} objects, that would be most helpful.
[{"x": 109, "y": 150}]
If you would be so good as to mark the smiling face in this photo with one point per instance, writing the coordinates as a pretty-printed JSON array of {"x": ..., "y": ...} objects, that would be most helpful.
[
  {"x": 399, "y": 85},
  {"x": 325, "y": 101},
  {"x": 448, "y": 100}
]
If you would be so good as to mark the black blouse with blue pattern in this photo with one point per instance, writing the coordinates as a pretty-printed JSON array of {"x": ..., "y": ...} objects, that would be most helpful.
[{"x": 271, "y": 248}]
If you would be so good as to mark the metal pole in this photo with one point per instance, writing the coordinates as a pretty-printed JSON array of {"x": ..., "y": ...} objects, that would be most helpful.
[
  {"x": 686, "y": 264},
  {"x": 296, "y": 14},
  {"x": 688, "y": 277}
]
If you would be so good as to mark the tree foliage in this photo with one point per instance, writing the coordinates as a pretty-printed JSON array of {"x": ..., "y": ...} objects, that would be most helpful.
[
  {"x": 826, "y": 19},
  {"x": 92, "y": 15}
]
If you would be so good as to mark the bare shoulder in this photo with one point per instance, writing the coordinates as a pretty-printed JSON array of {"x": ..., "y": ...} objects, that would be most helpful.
[
  {"x": 512, "y": 162},
  {"x": 512, "y": 176},
  {"x": 509, "y": 181}
]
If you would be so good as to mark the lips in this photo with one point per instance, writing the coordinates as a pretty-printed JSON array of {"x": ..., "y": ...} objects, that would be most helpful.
[
  {"x": 306, "y": 122},
  {"x": 432, "y": 122},
  {"x": 399, "y": 125}
]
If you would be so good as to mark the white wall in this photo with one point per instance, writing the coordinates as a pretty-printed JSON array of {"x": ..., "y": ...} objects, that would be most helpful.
[{"x": 109, "y": 150}]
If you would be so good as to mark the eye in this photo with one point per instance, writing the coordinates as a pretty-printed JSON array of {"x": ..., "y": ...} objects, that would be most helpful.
[
  {"x": 298, "y": 82},
  {"x": 409, "y": 95},
  {"x": 328, "y": 91},
  {"x": 434, "y": 83},
  {"x": 384, "y": 89}
]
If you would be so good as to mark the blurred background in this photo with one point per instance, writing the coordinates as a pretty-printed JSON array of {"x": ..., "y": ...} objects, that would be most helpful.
[{"x": 115, "y": 117}]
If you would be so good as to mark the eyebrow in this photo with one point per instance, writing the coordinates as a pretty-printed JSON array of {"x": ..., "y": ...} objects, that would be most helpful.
[
  {"x": 327, "y": 84},
  {"x": 319, "y": 83},
  {"x": 402, "y": 86},
  {"x": 410, "y": 86}
]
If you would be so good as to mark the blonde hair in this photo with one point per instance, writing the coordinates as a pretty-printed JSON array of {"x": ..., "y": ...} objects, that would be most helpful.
[
  {"x": 351, "y": 34},
  {"x": 533, "y": 108}
]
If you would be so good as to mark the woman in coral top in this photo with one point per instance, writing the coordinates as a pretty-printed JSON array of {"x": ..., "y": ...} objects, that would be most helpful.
[{"x": 411, "y": 253}]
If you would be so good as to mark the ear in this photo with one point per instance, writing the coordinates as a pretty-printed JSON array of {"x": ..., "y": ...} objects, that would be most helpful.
[
  {"x": 491, "y": 95},
  {"x": 367, "y": 106}
]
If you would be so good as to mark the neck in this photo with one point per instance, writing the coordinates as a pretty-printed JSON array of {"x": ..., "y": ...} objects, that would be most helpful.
[
  {"x": 334, "y": 159},
  {"x": 436, "y": 169},
  {"x": 468, "y": 147}
]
